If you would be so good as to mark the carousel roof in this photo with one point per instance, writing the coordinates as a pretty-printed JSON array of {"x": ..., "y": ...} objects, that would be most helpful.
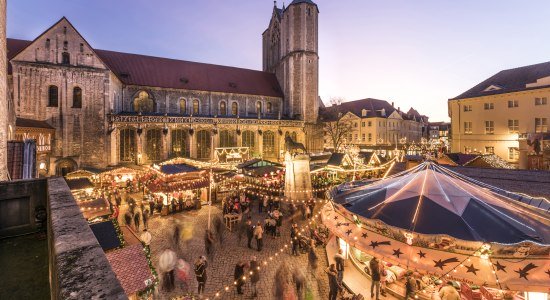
[{"x": 430, "y": 199}]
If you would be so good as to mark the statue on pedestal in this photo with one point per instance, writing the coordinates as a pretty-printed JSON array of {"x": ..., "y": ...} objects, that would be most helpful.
[{"x": 297, "y": 175}]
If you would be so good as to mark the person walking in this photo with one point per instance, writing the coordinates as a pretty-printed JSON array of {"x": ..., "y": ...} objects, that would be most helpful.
[
  {"x": 374, "y": 266},
  {"x": 312, "y": 257},
  {"x": 294, "y": 239},
  {"x": 146, "y": 219},
  {"x": 200, "y": 273},
  {"x": 303, "y": 207},
  {"x": 249, "y": 232},
  {"x": 333, "y": 283},
  {"x": 299, "y": 280},
  {"x": 265, "y": 202},
  {"x": 238, "y": 276},
  {"x": 448, "y": 292},
  {"x": 255, "y": 276},
  {"x": 339, "y": 260},
  {"x": 258, "y": 234},
  {"x": 208, "y": 242},
  {"x": 137, "y": 218}
]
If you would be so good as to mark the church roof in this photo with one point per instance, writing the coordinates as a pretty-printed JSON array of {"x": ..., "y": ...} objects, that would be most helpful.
[
  {"x": 511, "y": 80},
  {"x": 143, "y": 70}
]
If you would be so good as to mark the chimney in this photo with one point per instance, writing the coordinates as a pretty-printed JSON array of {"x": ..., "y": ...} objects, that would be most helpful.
[
  {"x": 392, "y": 104},
  {"x": 399, "y": 108}
]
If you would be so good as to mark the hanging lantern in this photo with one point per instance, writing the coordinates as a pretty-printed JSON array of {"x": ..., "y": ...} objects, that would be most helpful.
[{"x": 409, "y": 236}]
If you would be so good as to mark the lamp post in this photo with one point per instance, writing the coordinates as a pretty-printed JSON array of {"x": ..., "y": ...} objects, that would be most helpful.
[{"x": 210, "y": 183}]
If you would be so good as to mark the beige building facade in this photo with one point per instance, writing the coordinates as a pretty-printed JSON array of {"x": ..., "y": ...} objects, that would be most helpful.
[{"x": 503, "y": 114}]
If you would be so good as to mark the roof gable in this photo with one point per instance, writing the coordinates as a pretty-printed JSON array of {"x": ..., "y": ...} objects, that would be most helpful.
[
  {"x": 511, "y": 80},
  {"x": 52, "y": 44}
]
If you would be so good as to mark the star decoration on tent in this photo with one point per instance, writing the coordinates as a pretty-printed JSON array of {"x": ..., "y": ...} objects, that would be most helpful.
[
  {"x": 500, "y": 267},
  {"x": 348, "y": 232},
  {"x": 548, "y": 272},
  {"x": 442, "y": 263},
  {"x": 523, "y": 273},
  {"x": 472, "y": 269},
  {"x": 364, "y": 235},
  {"x": 338, "y": 224},
  {"x": 375, "y": 244},
  {"x": 421, "y": 254},
  {"x": 335, "y": 217},
  {"x": 397, "y": 252}
]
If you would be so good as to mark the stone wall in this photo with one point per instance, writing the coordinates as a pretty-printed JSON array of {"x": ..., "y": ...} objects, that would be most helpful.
[
  {"x": 18, "y": 202},
  {"x": 3, "y": 95},
  {"x": 79, "y": 268}
]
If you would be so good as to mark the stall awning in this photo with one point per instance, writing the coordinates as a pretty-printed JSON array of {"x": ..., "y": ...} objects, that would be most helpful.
[{"x": 106, "y": 235}]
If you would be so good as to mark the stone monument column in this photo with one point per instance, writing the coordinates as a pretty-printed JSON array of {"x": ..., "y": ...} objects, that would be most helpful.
[
  {"x": 297, "y": 177},
  {"x": 3, "y": 95}
]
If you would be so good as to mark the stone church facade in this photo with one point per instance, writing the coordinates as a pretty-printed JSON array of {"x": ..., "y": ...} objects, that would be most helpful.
[{"x": 110, "y": 108}]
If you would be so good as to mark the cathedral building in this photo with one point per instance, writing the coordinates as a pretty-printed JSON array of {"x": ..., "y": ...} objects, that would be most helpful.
[{"x": 108, "y": 108}]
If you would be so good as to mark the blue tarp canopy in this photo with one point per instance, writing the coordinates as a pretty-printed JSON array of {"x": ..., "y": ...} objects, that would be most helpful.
[
  {"x": 430, "y": 199},
  {"x": 106, "y": 235},
  {"x": 172, "y": 169}
]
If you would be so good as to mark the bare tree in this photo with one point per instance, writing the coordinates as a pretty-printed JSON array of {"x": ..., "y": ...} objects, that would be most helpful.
[{"x": 338, "y": 127}]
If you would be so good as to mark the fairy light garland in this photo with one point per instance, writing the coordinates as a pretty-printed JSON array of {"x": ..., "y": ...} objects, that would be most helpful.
[{"x": 264, "y": 264}]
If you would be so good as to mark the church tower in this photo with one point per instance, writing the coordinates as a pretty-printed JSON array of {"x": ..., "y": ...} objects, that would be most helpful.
[{"x": 290, "y": 46}]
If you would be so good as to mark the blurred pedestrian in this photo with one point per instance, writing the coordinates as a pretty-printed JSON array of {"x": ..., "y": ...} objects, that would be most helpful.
[
  {"x": 146, "y": 219},
  {"x": 208, "y": 243},
  {"x": 200, "y": 273},
  {"x": 238, "y": 276},
  {"x": 333, "y": 283},
  {"x": 249, "y": 233},
  {"x": 137, "y": 218},
  {"x": 339, "y": 260},
  {"x": 374, "y": 266},
  {"x": 294, "y": 239},
  {"x": 313, "y": 259},
  {"x": 254, "y": 276},
  {"x": 300, "y": 281}
]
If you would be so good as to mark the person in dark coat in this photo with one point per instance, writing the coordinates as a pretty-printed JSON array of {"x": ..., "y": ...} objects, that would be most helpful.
[
  {"x": 255, "y": 277},
  {"x": 128, "y": 219},
  {"x": 208, "y": 242},
  {"x": 249, "y": 233},
  {"x": 300, "y": 281},
  {"x": 312, "y": 257},
  {"x": 374, "y": 266},
  {"x": 294, "y": 239},
  {"x": 339, "y": 260},
  {"x": 137, "y": 218},
  {"x": 200, "y": 273},
  {"x": 333, "y": 283},
  {"x": 146, "y": 219},
  {"x": 238, "y": 276}
]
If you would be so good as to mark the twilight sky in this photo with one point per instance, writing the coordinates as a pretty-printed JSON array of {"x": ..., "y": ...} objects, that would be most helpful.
[{"x": 415, "y": 53}]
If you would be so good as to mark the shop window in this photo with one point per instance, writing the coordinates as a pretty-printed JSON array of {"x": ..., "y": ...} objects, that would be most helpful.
[{"x": 53, "y": 96}]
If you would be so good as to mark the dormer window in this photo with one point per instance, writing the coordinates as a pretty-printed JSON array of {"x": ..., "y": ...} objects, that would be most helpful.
[
  {"x": 364, "y": 112},
  {"x": 492, "y": 87}
]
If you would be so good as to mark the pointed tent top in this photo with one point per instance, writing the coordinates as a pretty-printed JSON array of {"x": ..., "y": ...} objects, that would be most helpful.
[{"x": 430, "y": 199}]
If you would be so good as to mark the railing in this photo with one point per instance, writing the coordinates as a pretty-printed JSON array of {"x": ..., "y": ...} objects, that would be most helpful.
[{"x": 137, "y": 119}]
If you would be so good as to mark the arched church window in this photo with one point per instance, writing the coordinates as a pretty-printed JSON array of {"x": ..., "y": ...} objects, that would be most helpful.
[
  {"x": 269, "y": 107},
  {"x": 234, "y": 108},
  {"x": 53, "y": 96},
  {"x": 65, "y": 58},
  {"x": 196, "y": 107},
  {"x": 258, "y": 107},
  {"x": 127, "y": 145},
  {"x": 180, "y": 143},
  {"x": 77, "y": 97},
  {"x": 223, "y": 108},
  {"x": 249, "y": 140},
  {"x": 204, "y": 144},
  {"x": 228, "y": 139},
  {"x": 153, "y": 144},
  {"x": 269, "y": 143},
  {"x": 143, "y": 103},
  {"x": 183, "y": 106}
]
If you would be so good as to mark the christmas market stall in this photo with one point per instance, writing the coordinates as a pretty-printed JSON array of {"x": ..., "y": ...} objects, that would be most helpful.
[
  {"x": 437, "y": 226},
  {"x": 125, "y": 176},
  {"x": 178, "y": 186}
]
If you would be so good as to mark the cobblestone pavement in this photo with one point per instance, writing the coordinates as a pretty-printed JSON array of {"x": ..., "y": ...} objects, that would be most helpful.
[{"x": 222, "y": 263}]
